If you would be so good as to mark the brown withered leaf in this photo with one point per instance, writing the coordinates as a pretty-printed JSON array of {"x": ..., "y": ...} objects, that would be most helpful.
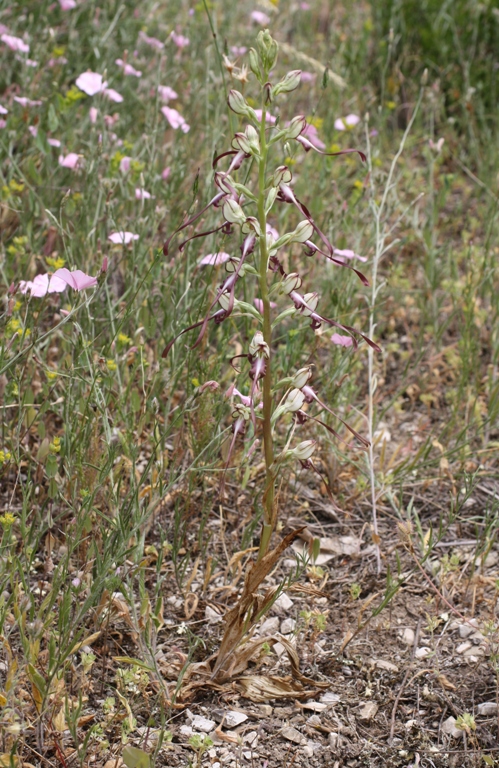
[{"x": 249, "y": 609}]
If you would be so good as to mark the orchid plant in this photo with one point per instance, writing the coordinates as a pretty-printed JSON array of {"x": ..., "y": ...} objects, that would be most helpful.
[{"x": 257, "y": 414}]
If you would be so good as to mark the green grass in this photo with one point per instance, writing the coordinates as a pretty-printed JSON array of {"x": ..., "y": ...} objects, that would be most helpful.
[{"x": 96, "y": 429}]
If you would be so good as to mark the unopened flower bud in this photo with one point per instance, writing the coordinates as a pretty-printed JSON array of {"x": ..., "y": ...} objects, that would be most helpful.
[
  {"x": 304, "y": 450},
  {"x": 294, "y": 401},
  {"x": 258, "y": 346},
  {"x": 233, "y": 212},
  {"x": 239, "y": 105},
  {"x": 303, "y": 231},
  {"x": 240, "y": 141},
  {"x": 291, "y": 282},
  {"x": 281, "y": 175},
  {"x": 241, "y": 411},
  {"x": 288, "y": 83},
  {"x": 267, "y": 49},
  {"x": 254, "y": 64},
  {"x": 302, "y": 377}
]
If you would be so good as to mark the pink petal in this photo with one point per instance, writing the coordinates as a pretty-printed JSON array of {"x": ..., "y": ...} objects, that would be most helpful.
[
  {"x": 70, "y": 161},
  {"x": 238, "y": 50},
  {"x": 90, "y": 83},
  {"x": 24, "y": 102},
  {"x": 56, "y": 285},
  {"x": 339, "y": 124},
  {"x": 37, "y": 287},
  {"x": 214, "y": 259},
  {"x": 28, "y": 62},
  {"x": 3, "y": 123},
  {"x": 308, "y": 77},
  {"x": 76, "y": 279},
  {"x": 33, "y": 129},
  {"x": 352, "y": 120},
  {"x": 179, "y": 40},
  {"x": 3, "y": 111},
  {"x": 125, "y": 164},
  {"x": 152, "y": 41},
  {"x": 93, "y": 112},
  {"x": 272, "y": 231},
  {"x": 54, "y": 142},
  {"x": 310, "y": 131},
  {"x": 166, "y": 93},
  {"x": 268, "y": 117},
  {"x": 260, "y": 17},
  {"x": 175, "y": 119},
  {"x": 4, "y": 30},
  {"x": 166, "y": 173},
  {"x": 142, "y": 194},
  {"x": 341, "y": 341},
  {"x": 14, "y": 43},
  {"x": 123, "y": 237},
  {"x": 113, "y": 95},
  {"x": 127, "y": 68},
  {"x": 259, "y": 305},
  {"x": 348, "y": 254},
  {"x": 67, "y": 5}
]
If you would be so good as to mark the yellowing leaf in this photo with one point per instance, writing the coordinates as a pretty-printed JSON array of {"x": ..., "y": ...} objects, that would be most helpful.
[{"x": 136, "y": 758}]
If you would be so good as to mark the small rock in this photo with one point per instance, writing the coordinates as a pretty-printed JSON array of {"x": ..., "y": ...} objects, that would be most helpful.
[
  {"x": 462, "y": 647},
  {"x": 422, "y": 653},
  {"x": 307, "y": 751},
  {"x": 491, "y": 559},
  {"x": 283, "y": 602},
  {"x": 279, "y": 649},
  {"x": 330, "y": 698},
  {"x": 291, "y": 734},
  {"x": 387, "y": 666},
  {"x": 474, "y": 650},
  {"x": 270, "y": 626},
  {"x": 487, "y": 708},
  {"x": 410, "y": 724},
  {"x": 265, "y": 710},
  {"x": 315, "y": 706},
  {"x": 465, "y": 631},
  {"x": 233, "y": 719},
  {"x": 216, "y": 765},
  {"x": 408, "y": 636},
  {"x": 449, "y": 727},
  {"x": 367, "y": 710},
  {"x": 200, "y": 723},
  {"x": 333, "y": 740},
  {"x": 476, "y": 638},
  {"x": 249, "y": 755},
  {"x": 251, "y": 738},
  {"x": 186, "y": 730},
  {"x": 288, "y": 626},
  {"x": 211, "y": 615}
]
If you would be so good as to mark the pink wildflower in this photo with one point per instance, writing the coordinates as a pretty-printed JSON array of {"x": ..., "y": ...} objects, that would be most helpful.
[
  {"x": 238, "y": 50},
  {"x": 179, "y": 40},
  {"x": 33, "y": 129},
  {"x": 310, "y": 131},
  {"x": 175, "y": 119},
  {"x": 214, "y": 259},
  {"x": 54, "y": 142},
  {"x": 122, "y": 238},
  {"x": 260, "y": 18},
  {"x": 14, "y": 43},
  {"x": 75, "y": 279},
  {"x": 341, "y": 341},
  {"x": 125, "y": 164},
  {"x": 344, "y": 123},
  {"x": 152, "y": 41},
  {"x": 28, "y": 62},
  {"x": 259, "y": 305},
  {"x": 348, "y": 254},
  {"x": 25, "y": 102},
  {"x": 308, "y": 77},
  {"x": 3, "y": 123},
  {"x": 67, "y": 5},
  {"x": 166, "y": 93},
  {"x": 41, "y": 285},
  {"x": 3, "y": 111},
  {"x": 128, "y": 69},
  {"x": 165, "y": 175},
  {"x": 112, "y": 95},
  {"x": 70, "y": 161},
  {"x": 92, "y": 113},
  {"x": 90, "y": 83},
  {"x": 142, "y": 194},
  {"x": 268, "y": 117}
]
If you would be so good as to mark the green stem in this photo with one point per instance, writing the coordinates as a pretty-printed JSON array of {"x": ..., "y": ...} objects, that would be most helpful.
[{"x": 268, "y": 445}]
